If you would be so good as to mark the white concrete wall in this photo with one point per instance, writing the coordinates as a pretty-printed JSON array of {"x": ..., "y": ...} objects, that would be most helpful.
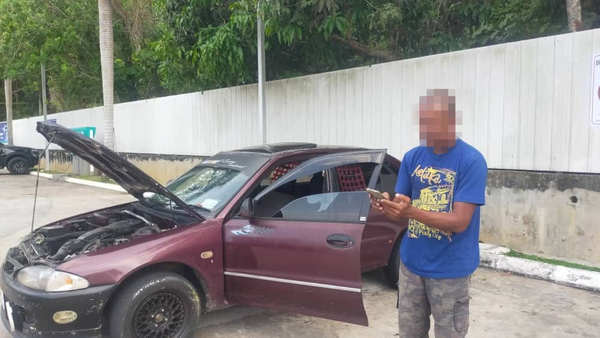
[
  {"x": 190, "y": 124},
  {"x": 25, "y": 134},
  {"x": 526, "y": 105}
]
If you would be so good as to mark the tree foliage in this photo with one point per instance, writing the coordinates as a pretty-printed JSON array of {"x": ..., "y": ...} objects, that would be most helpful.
[
  {"x": 59, "y": 34},
  {"x": 174, "y": 46}
]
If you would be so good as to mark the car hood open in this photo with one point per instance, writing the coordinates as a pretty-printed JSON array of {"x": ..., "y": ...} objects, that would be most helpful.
[{"x": 127, "y": 175}]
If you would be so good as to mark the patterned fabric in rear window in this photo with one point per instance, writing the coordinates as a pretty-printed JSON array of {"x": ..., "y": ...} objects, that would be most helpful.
[{"x": 282, "y": 170}]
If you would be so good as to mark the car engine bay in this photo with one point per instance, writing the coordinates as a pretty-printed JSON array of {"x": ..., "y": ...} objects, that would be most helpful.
[{"x": 64, "y": 240}]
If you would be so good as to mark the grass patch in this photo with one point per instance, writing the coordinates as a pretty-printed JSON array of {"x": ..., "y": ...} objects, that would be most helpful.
[
  {"x": 517, "y": 254},
  {"x": 50, "y": 172},
  {"x": 96, "y": 179}
]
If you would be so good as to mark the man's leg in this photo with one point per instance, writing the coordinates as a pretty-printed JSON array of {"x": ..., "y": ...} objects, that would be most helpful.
[
  {"x": 449, "y": 299},
  {"x": 413, "y": 307}
]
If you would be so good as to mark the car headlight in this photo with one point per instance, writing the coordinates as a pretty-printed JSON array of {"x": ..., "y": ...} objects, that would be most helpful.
[{"x": 45, "y": 278}]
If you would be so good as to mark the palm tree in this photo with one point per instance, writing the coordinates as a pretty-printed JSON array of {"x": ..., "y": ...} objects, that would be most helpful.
[
  {"x": 8, "y": 100},
  {"x": 107, "y": 63},
  {"x": 574, "y": 14}
]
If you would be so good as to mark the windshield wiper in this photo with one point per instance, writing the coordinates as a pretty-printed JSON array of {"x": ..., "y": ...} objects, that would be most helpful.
[
  {"x": 200, "y": 207},
  {"x": 168, "y": 203}
]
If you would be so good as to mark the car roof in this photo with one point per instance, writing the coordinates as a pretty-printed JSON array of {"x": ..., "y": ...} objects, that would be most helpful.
[{"x": 274, "y": 149}]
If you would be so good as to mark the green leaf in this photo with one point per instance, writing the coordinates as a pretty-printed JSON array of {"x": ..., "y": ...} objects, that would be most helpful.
[{"x": 341, "y": 24}]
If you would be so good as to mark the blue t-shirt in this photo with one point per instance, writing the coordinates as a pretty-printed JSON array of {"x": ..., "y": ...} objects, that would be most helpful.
[{"x": 434, "y": 182}]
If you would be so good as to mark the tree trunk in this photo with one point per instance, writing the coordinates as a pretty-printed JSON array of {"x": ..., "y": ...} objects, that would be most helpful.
[
  {"x": 9, "y": 113},
  {"x": 574, "y": 15},
  {"x": 108, "y": 64}
]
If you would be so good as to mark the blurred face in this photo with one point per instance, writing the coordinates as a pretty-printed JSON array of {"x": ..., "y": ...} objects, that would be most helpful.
[{"x": 437, "y": 120}]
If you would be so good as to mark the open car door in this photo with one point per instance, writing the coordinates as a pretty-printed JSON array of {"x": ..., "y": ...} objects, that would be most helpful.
[{"x": 306, "y": 256}]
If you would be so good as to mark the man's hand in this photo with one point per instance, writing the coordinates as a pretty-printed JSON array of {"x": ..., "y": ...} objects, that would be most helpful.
[
  {"x": 396, "y": 209},
  {"x": 376, "y": 204}
]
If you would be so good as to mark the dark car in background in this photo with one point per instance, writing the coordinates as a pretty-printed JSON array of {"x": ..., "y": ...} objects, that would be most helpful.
[
  {"x": 282, "y": 226},
  {"x": 18, "y": 160}
]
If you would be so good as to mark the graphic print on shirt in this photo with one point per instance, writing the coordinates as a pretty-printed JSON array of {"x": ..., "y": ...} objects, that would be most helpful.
[{"x": 436, "y": 192}]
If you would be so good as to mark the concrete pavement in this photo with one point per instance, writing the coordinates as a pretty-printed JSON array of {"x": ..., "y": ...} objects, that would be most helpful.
[
  {"x": 56, "y": 200},
  {"x": 503, "y": 305}
]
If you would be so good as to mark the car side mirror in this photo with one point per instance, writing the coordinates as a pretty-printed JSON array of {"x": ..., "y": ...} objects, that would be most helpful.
[{"x": 247, "y": 208}]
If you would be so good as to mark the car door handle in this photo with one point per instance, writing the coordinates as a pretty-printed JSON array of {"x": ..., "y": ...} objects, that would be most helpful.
[{"x": 340, "y": 241}]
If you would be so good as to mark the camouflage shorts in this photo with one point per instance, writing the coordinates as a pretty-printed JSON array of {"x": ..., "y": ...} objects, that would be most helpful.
[{"x": 419, "y": 298}]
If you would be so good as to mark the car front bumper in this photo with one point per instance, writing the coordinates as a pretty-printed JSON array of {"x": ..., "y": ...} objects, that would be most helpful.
[{"x": 29, "y": 313}]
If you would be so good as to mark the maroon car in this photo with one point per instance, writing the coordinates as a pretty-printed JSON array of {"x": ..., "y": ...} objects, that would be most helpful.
[{"x": 281, "y": 226}]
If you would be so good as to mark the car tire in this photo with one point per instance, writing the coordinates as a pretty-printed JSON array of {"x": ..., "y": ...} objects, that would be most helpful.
[
  {"x": 160, "y": 304},
  {"x": 18, "y": 166},
  {"x": 392, "y": 270}
]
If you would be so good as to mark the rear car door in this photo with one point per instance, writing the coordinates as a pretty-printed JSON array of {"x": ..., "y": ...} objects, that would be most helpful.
[{"x": 304, "y": 257}]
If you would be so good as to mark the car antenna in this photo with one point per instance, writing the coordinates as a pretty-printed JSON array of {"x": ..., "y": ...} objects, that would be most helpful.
[{"x": 37, "y": 182}]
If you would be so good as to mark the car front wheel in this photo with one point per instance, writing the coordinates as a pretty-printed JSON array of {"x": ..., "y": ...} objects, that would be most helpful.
[
  {"x": 161, "y": 304},
  {"x": 18, "y": 166}
]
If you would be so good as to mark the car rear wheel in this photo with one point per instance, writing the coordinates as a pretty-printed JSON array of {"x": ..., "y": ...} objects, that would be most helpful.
[
  {"x": 18, "y": 166},
  {"x": 161, "y": 304},
  {"x": 392, "y": 270}
]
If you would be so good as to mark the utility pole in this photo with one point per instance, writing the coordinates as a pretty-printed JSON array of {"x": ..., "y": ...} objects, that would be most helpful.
[
  {"x": 9, "y": 112},
  {"x": 262, "y": 111},
  {"x": 45, "y": 112}
]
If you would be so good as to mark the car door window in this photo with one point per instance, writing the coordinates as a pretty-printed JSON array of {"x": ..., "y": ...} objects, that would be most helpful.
[
  {"x": 308, "y": 198},
  {"x": 386, "y": 181},
  {"x": 278, "y": 172},
  {"x": 303, "y": 186},
  {"x": 326, "y": 207},
  {"x": 284, "y": 194}
]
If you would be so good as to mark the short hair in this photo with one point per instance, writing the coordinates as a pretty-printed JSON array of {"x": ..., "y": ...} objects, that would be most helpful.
[{"x": 447, "y": 96}]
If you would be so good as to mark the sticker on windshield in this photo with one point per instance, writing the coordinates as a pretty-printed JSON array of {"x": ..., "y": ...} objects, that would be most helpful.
[
  {"x": 226, "y": 163},
  {"x": 209, "y": 203}
]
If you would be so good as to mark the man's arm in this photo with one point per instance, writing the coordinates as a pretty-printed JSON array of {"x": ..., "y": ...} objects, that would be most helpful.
[
  {"x": 469, "y": 194},
  {"x": 456, "y": 222}
]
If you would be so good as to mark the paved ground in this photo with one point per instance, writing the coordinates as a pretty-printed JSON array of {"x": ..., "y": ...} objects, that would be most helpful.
[
  {"x": 503, "y": 305},
  {"x": 56, "y": 200}
]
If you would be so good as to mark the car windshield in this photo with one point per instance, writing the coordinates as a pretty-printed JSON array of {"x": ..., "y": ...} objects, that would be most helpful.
[{"x": 212, "y": 184}]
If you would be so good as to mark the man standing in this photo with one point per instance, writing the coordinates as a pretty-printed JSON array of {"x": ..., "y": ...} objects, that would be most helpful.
[{"x": 440, "y": 188}]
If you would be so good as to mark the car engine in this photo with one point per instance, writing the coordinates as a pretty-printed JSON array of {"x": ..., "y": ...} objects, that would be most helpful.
[{"x": 66, "y": 239}]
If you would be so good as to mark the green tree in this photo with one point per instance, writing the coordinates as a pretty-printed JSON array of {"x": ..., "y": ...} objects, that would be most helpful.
[
  {"x": 217, "y": 38},
  {"x": 166, "y": 47},
  {"x": 57, "y": 33},
  {"x": 64, "y": 35}
]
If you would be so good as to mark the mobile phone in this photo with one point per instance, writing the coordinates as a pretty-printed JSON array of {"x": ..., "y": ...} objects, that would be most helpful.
[{"x": 376, "y": 194}]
